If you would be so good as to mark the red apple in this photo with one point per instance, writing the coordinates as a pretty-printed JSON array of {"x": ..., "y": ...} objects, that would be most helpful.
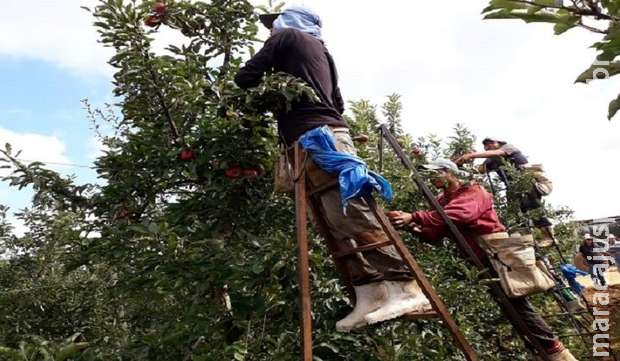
[
  {"x": 187, "y": 155},
  {"x": 152, "y": 21},
  {"x": 122, "y": 213},
  {"x": 250, "y": 173},
  {"x": 159, "y": 8},
  {"x": 234, "y": 172}
]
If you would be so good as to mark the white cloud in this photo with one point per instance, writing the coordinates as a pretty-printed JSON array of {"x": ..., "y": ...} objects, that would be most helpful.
[
  {"x": 34, "y": 147},
  {"x": 503, "y": 78},
  {"x": 56, "y": 31},
  {"x": 19, "y": 227}
]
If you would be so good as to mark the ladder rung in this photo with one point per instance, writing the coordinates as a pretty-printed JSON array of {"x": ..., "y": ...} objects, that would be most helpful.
[
  {"x": 368, "y": 247},
  {"x": 324, "y": 188},
  {"x": 421, "y": 315}
]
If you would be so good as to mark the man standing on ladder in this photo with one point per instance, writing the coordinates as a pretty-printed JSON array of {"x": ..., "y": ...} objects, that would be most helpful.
[
  {"x": 384, "y": 287},
  {"x": 496, "y": 154},
  {"x": 470, "y": 207}
]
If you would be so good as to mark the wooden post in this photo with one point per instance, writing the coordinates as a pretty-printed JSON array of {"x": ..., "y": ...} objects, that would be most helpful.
[{"x": 303, "y": 264}]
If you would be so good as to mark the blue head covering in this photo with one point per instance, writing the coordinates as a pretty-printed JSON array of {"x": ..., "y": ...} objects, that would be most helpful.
[{"x": 300, "y": 18}]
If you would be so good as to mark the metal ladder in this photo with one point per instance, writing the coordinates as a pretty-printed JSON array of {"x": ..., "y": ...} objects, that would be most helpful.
[
  {"x": 581, "y": 319},
  {"x": 497, "y": 292}
]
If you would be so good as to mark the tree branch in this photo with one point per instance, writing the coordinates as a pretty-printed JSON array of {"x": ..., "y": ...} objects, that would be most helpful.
[
  {"x": 593, "y": 11},
  {"x": 592, "y": 29}
]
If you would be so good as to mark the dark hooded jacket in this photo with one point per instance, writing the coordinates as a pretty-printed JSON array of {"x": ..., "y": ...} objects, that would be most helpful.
[{"x": 305, "y": 57}]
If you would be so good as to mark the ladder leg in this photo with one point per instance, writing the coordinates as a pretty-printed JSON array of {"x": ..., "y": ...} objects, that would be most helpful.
[
  {"x": 425, "y": 285},
  {"x": 495, "y": 289},
  {"x": 303, "y": 263}
]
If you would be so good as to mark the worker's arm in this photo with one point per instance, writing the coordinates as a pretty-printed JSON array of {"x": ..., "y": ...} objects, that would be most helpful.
[
  {"x": 474, "y": 155},
  {"x": 462, "y": 211},
  {"x": 404, "y": 220},
  {"x": 251, "y": 74}
]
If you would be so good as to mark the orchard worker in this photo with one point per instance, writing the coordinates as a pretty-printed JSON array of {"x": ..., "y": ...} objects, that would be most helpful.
[
  {"x": 496, "y": 154},
  {"x": 594, "y": 259},
  {"x": 384, "y": 286},
  {"x": 614, "y": 250},
  {"x": 470, "y": 207}
]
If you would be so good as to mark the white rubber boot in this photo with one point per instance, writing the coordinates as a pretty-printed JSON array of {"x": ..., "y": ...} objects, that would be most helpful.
[
  {"x": 564, "y": 355},
  {"x": 368, "y": 299},
  {"x": 404, "y": 298}
]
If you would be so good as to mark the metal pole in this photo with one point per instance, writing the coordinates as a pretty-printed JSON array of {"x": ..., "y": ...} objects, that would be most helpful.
[{"x": 303, "y": 263}]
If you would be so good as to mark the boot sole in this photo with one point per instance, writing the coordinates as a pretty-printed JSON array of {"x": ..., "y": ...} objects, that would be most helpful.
[
  {"x": 353, "y": 328},
  {"x": 417, "y": 308}
]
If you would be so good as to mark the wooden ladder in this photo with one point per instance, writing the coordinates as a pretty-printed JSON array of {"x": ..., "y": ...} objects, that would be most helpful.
[{"x": 305, "y": 199}]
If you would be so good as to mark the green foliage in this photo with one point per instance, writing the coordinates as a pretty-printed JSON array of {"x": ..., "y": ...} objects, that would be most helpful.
[
  {"x": 599, "y": 16},
  {"x": 172, "y": 259},
  {"x": 392, "y": 112}
]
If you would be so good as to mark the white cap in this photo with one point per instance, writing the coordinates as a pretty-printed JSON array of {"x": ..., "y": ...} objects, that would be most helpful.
[{"x": 444, "y": 164}]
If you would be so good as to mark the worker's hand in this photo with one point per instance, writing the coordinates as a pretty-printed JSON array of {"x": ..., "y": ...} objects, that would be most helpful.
[
  {"x": 400, "y": 219},
  {"x": 362, "y": 138},
  {"x": 414, "y": 228},
  {"x": 463, "y": 159}
]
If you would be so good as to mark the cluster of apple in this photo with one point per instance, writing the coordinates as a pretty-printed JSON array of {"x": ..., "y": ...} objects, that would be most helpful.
[
  {"x": 236, "y": 171},
  {"x": 232, "y": 172},
  {"x": 157, "y": 16}
]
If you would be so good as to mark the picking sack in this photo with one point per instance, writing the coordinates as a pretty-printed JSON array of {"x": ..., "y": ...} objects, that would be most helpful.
[
  {"x": 543, "y": 184},
  {"x": 514, "y": 260},
  {"x": 283, "y": 174}
]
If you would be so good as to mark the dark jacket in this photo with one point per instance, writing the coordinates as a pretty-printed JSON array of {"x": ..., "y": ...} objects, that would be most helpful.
[
  {"x": 589, "y": 254},
  {"x": 304, "y": 57},
  {"x": 513, "y": 156}
]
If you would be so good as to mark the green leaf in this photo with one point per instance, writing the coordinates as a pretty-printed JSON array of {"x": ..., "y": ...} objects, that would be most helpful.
[
  {"x": 561, "y": 28},
  {"x": 614, "y": 106},
  {"x": 599, "y": 71}
]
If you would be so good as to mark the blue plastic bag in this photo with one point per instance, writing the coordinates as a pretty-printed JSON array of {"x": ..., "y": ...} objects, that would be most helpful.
[
  {"x": 571, "y": 272},
  {"x": 353, "y": 175}
]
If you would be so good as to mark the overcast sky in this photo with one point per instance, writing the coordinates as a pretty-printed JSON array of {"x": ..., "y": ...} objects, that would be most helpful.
[{"x": 501, "y": 78}]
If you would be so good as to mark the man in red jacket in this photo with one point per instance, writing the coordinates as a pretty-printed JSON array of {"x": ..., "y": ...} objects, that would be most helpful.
[{"x": 470, "y": 207}]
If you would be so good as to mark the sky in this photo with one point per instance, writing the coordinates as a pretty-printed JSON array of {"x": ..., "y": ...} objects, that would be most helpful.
[{"x": 500, "y": 78}]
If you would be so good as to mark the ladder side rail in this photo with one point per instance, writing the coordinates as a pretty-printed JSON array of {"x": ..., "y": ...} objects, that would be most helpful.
[
  {"x": 303, "y": 263},
  {"x": 497, "y": 292},
  {"x": 425, "y": 285}
]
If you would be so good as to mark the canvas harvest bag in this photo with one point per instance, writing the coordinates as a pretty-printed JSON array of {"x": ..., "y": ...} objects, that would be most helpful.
[
  {"x": 543, "y": 184},
  {"x": 283, "y": 174},
  {"x": 514, "y": 259}
]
